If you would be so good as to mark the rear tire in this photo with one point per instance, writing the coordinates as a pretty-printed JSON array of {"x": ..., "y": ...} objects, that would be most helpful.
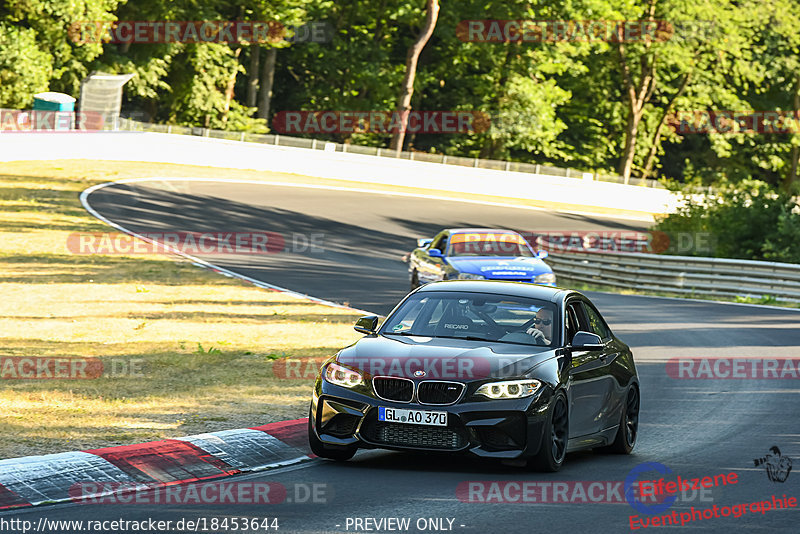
[
  {"x": 331, "y": 452},
  {"x": 628, "y": 429},
  {"x": 553, "y": 449}
]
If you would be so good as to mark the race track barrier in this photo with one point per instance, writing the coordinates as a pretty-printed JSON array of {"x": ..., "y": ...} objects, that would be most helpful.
[
  {"x": 444, "y": 159},
  {"x": 686, "y": 275}
]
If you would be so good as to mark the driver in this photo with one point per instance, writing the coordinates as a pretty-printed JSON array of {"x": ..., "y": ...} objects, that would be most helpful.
[{"x": 542, "y": 325}]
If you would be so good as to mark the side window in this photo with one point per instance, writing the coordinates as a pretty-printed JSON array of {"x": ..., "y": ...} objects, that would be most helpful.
[
  {"x": 596, "y": 322},
  {"x": 439, "y": 242},
  {"x": 572, "y": 322}
]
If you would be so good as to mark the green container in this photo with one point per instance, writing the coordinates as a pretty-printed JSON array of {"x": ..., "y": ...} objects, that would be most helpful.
[
  {"x": 53, "y": 111},
  {"x": 53, "y": 102}
]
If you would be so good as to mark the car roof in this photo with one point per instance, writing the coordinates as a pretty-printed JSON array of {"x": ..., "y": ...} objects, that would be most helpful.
[
  {"x": 479, "y": 231},
  {"x": 499, "y": 287}
]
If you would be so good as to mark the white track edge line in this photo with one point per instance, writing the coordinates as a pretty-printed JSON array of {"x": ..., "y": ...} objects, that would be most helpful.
[
  {"x": 203, "y": 263},
  {"x": 392, "y": 193},
  {"x": 209, "y": 265}
]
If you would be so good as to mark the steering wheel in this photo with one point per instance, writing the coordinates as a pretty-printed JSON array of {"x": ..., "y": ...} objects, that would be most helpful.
[
  {"x": 526, "y": 325},
  {"x": 497, "y": 330},
  {"x": 538, "y": 336}
]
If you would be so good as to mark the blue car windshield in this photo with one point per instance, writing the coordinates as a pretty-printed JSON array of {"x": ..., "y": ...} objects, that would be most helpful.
[
  {"x": 475, "y": 244},
  {"x": 476, "y": 316}
]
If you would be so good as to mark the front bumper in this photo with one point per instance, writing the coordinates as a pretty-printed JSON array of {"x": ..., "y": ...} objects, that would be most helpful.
[{"x": 506, "y": 429}]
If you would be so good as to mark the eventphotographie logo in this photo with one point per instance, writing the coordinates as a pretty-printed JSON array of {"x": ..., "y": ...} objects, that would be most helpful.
[{"x": 775, "y": 464}]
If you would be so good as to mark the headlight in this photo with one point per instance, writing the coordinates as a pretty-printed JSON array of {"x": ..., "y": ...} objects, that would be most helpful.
[
  {"x": 470, "y": 276},
  {"x": 342, "y": 376},
  {"x": 546, "y": 278},
  {"x": 513, "y": 389}
]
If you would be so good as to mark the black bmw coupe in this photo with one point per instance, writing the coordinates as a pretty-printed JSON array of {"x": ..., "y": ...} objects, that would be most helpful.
[{"x": 501, "y": 370}]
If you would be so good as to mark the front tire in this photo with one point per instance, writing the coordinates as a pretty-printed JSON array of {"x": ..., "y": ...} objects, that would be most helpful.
[
  {"x": 628, "y": 429},
  {"x": 553, "y": 449},
  {"x": 414, "y": 280},
  {"x": 330, "y": 452}
]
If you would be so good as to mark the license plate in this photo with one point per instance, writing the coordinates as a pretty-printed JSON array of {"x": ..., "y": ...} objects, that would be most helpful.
[{"x": 413, "y": 417}]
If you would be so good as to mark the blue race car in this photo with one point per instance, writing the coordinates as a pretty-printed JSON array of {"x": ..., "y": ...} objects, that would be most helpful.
[{"x": 478, "y": 254}]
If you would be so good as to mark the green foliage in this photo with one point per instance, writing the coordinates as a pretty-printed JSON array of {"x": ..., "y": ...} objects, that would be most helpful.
[
  {"x": 50, "y": 22},
  {"x": 557, "y": 103},
  {"x": 198, "y": 84},
  {"x": 746, "y": 220},
  {"x": 24, "y": 69},
  {"x": 211, "y": 350}
]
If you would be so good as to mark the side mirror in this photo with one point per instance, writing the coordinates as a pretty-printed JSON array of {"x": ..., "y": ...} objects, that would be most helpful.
[
  {"x": 435, "y": 253},
  {"x": 542, "y": 254},
  {"x": 422, "y": 242},
  {"x": 367, "y": 324},
  {"x": 586, "y": 341}
]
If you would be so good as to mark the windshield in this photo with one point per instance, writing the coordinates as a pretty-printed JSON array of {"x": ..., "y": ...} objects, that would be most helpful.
[
  {"x": 475, "y": 316},
  {"x": 484, "y": 244}
]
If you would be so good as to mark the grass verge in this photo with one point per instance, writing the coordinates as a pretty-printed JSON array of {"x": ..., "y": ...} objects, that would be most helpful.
[{"x": 183, "y": 350}]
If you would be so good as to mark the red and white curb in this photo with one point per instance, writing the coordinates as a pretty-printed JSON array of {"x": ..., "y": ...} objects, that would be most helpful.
[{"x": 34, "y": 480}]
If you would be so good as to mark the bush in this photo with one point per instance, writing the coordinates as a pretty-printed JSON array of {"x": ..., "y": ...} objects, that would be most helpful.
[{"x": 746, "y": 220}]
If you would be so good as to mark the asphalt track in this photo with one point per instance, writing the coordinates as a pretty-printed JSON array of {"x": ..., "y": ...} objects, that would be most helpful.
[{"x": 695, "y": 427}]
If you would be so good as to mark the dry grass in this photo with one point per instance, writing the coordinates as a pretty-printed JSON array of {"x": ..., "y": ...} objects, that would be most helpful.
[{"x": 202, "y": 345}]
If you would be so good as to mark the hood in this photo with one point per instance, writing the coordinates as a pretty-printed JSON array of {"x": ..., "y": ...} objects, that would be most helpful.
[
  {"x": 441, "y": 358},
  {"x": 499, "y": 267}
]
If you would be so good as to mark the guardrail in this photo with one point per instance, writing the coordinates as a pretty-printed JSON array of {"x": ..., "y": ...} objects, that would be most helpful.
[
  {"x": 686, "y": 275},
  {"x": 315, "y": 144}
]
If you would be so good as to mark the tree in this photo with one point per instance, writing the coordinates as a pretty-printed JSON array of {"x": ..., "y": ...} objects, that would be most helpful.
[
  {"x": 24, "y": 68},
  {"x": 37, "y": 29},
  {"x": 407, "y": 87}
]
